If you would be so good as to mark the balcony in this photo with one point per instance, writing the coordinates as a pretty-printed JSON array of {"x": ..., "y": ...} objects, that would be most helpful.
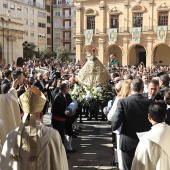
[
  {"x": 34, "y": 4},
  {"x": 66, "y": 16},
  {"x": 65, "y": 28},
  {"x": 63, "y": 5},
  {"x": 67, "y": 39}
]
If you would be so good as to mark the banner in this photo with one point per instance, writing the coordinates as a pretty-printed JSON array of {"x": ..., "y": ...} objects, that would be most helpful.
[
  {"x": 136, "y": 34},
  {"x": 112, "y": 34},
  {"x": 161, "y": 32},
  {"x": 88, "y": 36}
]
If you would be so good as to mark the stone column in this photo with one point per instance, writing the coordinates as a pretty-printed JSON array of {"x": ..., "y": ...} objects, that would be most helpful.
[
  {"x": 9, "y": 52},
  {"x": 101, "y": 51},
  {"x": 102, "y": 17},
  {"x": 79, "y": 18},
  {"x": 79, "y": 33},
  {"x": 149, "y": 52},
  {"x": 79, "y": 47},
  {"x": 125, "y": 52}
]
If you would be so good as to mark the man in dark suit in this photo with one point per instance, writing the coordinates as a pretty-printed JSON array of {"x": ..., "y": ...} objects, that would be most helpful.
[
  {"x": 55, "y": 91},
  {"x": 163, "y": 84},
  {"x": 7, "y": 77},
  {"x": 39, "y": 82},
  {"x": 132, "y": 114},
  {"x": 58, "y": 111},
  {"x": 153, "y": 90}
]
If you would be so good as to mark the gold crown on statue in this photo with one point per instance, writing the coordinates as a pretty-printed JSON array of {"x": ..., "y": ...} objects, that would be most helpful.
[{"x": 32, "y": 101}]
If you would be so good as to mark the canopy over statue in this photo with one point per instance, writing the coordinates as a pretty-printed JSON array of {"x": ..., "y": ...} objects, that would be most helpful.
[{"x": 93, "y": 73}]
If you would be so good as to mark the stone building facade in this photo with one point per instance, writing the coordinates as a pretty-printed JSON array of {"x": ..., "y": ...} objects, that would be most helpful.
[
  {"x": 125, "y": 15},
  {"x": 11, "y": 38},
  {"x": 35, "y": 17},
  {"x": 64, "y": 26}
]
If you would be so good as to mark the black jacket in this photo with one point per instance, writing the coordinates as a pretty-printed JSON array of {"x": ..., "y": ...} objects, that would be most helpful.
[
  {"x": 38, "y": 84},
  {"x": 59, "y": 106},
  {"x": 5, "y": 81},
  {"x": 167, "y": 121},
  {"x": 132, "y": 114},
  {"x": 162, "y": 90},
  {"x": 158, "y": 97},
  {"x": 54, "y": 93}
]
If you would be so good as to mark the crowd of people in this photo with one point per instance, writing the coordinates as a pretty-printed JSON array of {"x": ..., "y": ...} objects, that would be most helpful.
[{"x": 141, "y": 103}]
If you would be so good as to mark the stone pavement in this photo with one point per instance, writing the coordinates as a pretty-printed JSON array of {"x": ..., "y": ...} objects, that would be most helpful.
[{"x": 93, "y": 145}]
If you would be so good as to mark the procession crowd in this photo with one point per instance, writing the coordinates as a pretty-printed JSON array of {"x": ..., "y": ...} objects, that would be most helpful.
[{"x": 140, "y": 103}]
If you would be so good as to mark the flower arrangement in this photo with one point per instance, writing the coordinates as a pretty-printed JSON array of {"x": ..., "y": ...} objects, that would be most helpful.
[{"x": 85, "y": 94}]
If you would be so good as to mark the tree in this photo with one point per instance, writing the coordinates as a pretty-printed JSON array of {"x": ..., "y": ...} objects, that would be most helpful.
[
  {"x": 28, "y": 50},
  {"x": 46, "y": 54},
  {"x": 62, "y": 54}
]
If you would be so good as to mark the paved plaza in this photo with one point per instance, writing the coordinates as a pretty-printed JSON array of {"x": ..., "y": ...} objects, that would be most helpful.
[{"x": 93, "y": 145}]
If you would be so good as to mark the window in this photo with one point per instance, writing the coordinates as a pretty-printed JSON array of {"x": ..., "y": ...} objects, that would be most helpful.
[
  {"x": 59, "y": 2},
  {"x": 48, "y": 30},
  {"x": 19, "y": 8},
  {"x": 48, "y": 19},
  {"x": 67, "y": 47},
  {"x": 57, "y": 25},
  {"x": 163, "y": 18},
  {"x": 114, "y": 22},
  {"x": 41, "y": 35},
  {"x": 48, "y": 41},
  {"x": 137, "y": 20},
  {"x": 32, "y": 33},
  {"x": 91, "y": 23},
  {"x": 26, "y": 10},
  {"x": 31, "y": 11},
  {"x": 42, "y": 14},
  {"x": 32, "y": 22},
  {"x": 57, "y": 13},
  {"x": 42, "y": 25},
  {"x": 26, "y": 21},
  {"x": 47, "y": 8},
  {"x": 5, "y": 5},
  {"x": 12, "y": 7},
  {"x": 57, "y": 36}
]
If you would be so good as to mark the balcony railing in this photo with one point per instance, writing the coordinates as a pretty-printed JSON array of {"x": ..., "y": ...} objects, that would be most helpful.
[
  {"x": 66, "y": 16},
  {"x": 66, "y": 39},
  {"x": 144, "y": 29},
  {"x": 30, "y": 3},
  {"x": 65, "y": 28},
  {"x": 63, "y": 5}
]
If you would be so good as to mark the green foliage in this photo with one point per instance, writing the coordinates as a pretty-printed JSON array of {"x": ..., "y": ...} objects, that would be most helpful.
[
  {"x": 46, "y": 54},
  {"x": 28, "y": 50},
  {"x": 62, "y": 54}
]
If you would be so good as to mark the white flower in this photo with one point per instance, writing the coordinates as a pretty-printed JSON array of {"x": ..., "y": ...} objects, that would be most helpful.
[{"x": 99, "y": 89}]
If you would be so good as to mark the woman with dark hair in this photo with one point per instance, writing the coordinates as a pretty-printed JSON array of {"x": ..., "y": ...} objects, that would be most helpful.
[{"x": 167, "y": 101}]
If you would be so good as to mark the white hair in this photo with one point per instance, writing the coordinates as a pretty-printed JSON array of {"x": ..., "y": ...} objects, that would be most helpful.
[{"x": 66, "y": 82}]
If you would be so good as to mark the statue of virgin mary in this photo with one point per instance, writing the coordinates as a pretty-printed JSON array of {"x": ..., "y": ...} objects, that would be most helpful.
[{"x": 93, "y": 73}]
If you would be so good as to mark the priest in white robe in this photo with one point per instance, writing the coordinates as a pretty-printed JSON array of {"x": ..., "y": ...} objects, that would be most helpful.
[
  {"x": 153, "y": 151},
  {"x": 33, "y": 146},
  {"x": 9, "y": 111}
]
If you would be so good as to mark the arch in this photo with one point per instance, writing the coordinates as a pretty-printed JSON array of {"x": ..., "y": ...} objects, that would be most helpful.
[
  {"x": 114, "y": 49},
  {"x": 87, "y": 49},
  {"x": 161, "y": 53},
  {"x": 137, "y": 53},
  {"x": 138, "y": 8},
  {"x": 90, "y": 12}
]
